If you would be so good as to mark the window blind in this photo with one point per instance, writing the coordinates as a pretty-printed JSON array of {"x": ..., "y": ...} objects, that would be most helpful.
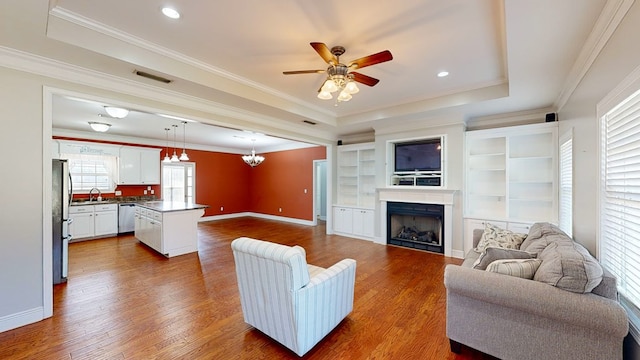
[
  {"x": 620, "y": 196},
  {"x": 566, "y": 184}
]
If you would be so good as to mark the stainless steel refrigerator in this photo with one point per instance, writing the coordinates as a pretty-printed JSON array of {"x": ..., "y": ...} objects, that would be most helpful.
[{"x": 61, "y": 198}]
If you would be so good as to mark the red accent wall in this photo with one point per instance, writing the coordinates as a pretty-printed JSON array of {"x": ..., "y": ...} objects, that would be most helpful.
[
  {"x": 224, "y": 180},
  {"x": 279, "y": 183}
]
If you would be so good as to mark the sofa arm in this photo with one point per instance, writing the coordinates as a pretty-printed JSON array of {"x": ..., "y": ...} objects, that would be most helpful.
[{"x": 585, "y": 310}]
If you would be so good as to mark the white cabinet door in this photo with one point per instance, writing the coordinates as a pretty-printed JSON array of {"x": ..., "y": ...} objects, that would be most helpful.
[
  {"x": 155, "y": 235},
  {"x": 106, "y": 222},
  {"x": 363, "y": 222},
  {"x": 139, "y": 166},
  {"x": 343, "y": 219},
  {"x": 129, "y": 166},
  {"x": 150, "y": 166},
  {"x": 81, "y": 225}
]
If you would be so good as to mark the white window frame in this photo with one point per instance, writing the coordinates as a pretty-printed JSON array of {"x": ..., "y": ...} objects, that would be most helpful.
[
  {"x": 626, "y": 94},
  {"x": 189, "y": 181},
  {"x": 109, "y": 163},
  {"x": 565, "y": 177}
]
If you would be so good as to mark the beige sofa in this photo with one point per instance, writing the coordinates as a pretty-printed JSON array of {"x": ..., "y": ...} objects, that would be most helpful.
[{"x": 517, "y": 318}]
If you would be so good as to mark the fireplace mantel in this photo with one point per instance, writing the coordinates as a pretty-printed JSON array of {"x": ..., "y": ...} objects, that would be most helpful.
[
  {"x": 421, "y": 196},
  {"x": 417, "y": 195}
]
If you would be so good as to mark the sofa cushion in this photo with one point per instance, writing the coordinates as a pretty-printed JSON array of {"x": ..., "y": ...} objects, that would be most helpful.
[
  {"x": 497, "y": 237},
  {"x": 491, "y": 254},
  {"x": 569, "y": 266},
  {"x": 540, "y": 235},
  {"x": 522, "y": 268}
]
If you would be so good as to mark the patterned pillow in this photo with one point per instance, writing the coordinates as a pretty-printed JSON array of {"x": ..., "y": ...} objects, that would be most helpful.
[
  {"x": 497, "y": 237},
  {"x": 522, "y": 268},
  {"x": 491, "y": 254}
]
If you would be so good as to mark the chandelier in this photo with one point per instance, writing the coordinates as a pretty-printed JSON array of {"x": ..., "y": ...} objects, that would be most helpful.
[
  {"x": 338, "y": 79},
  {"x": 253, "y": 160}
]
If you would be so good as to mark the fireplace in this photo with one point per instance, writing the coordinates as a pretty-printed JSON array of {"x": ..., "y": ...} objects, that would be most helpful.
[{"x": 417, "y": 226}]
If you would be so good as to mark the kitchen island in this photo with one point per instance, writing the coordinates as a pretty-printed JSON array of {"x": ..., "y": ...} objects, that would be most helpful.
[{"x": 170, "y": 228}]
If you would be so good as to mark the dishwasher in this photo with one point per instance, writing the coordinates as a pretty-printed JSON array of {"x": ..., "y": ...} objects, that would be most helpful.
[{"x": 126, "y": 217}]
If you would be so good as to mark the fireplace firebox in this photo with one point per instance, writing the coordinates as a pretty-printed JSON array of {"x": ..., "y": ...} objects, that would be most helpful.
[{"x": 417, "y": 226}]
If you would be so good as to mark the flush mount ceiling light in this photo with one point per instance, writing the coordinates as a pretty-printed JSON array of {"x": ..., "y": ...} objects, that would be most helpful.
[
  {"x": 170, "y": 13},
  {"x": 340, "y": 78},
  {"x": 116, "y": 112},
  {"x": 99, "y": 127},
  {"x": 253, "y": 160},
  {"x": 443, "y": 73}
]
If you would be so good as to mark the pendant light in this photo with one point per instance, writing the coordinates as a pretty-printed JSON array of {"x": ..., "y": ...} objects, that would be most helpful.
[
  {"x": 166, "y": 156},
  {"x": 184, "y": 156},
  {"x": 174, "y": 157}
]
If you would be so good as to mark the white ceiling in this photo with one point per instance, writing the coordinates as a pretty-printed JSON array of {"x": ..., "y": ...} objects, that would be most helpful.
[{"x": 502, "y": 56}]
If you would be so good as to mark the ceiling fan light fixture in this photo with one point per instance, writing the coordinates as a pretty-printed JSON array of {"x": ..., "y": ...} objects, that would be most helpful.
[
  {"x": 344, "y": 96},
  {"x": 324, "y": 95},
  {"x": 330, "y": 86},
  {"x": 116, "y": 112},
  {"x": 99, "y": 127},
  {"x": 352, "y": 88}
]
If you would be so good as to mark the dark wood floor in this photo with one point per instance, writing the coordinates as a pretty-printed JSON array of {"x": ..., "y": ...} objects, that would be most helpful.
[{"x": 124, "y": 301}]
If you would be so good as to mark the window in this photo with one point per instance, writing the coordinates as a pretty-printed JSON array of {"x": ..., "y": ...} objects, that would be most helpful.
[
  {"x": 92, "y": 171},
  {"x": 619, "y": 231},
  {"x": 566, "y": 183},
  {"x": 179, "y": 182}
]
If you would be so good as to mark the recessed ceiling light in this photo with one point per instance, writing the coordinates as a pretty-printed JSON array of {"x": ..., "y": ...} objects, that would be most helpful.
[
  {"x": 443, "y": 73},
  {"x": 170, "y": 13}
]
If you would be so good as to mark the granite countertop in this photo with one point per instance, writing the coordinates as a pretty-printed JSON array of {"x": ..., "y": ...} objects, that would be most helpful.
[
  {"x": 166, "y": 206},
  {"x": 114, "y": 200}
]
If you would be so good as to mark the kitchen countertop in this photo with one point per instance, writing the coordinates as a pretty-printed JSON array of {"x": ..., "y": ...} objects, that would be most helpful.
[
  {"x": 115, "y": 200},
  {"x": 167, "y": 206}
]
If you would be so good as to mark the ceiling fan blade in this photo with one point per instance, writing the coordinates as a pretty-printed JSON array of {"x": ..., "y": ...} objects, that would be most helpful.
[
  {"x": 303, "y": 72},
  {"x": 371, "y": 59},
  {"x": 364, "y": 79},
  {"x": 324, "y": 52}
]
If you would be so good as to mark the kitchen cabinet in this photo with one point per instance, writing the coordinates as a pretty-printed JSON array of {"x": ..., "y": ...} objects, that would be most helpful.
[
  {"x": 91, "y": 221},
  {"x": 105, "y": 219},
  {"x": 138, "y": 166},
  {"x": 82, "y": 224},
  {"x": 169, "y": 232}
]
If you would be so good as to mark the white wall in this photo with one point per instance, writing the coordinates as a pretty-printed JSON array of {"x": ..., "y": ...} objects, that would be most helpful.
[
  {"x": 21, "y": 191},
  {"x": 619, "y": 57}
]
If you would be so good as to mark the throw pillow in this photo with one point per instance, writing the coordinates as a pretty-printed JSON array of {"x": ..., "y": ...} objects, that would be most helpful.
[
  {"x": 491, "y": 254},
  {"x": 522, "y": 268},
  {"x": 569, "y": 266},
  {"x": 497, "y": 237},
  {"x": 537, "y": 237}
]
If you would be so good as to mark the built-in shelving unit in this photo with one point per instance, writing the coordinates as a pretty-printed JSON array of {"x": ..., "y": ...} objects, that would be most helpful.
[
  {"x": 511, "y": 174},
  {"x": 356, "y": 192}
]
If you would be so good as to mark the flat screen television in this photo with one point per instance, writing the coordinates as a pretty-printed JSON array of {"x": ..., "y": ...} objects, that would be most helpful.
[{"x": 418, "y": 156}]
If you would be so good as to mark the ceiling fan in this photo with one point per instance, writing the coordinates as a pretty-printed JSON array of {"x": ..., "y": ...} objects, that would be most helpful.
[{"x": 340, "y": 77}]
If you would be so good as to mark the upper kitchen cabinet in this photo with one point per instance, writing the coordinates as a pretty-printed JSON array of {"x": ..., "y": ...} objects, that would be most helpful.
[{"x": 139, "y": 166}]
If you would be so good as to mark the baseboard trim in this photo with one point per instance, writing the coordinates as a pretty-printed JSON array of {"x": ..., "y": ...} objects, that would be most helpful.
[
  {"x": 457, "y": 254},
  {"x": 258, "y": 215},
  {"x": 22, "y": 318}
]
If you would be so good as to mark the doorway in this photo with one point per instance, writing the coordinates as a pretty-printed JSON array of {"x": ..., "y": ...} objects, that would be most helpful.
[{"x": 320, "y": 190}]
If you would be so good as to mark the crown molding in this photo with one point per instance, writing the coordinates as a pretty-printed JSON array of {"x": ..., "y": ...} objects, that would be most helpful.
[
  {"x": 611, "y": 16},
  {"x": 509, "y": 119},
  {"x": 92, "y": 25},
  {"x": 51, "y": 68}
]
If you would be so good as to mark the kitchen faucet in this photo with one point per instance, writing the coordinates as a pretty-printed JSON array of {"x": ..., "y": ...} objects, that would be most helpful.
[{"x": 91, "y": 194}]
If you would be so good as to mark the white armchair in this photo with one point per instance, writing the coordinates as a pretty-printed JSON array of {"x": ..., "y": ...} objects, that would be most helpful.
[{"x": 292, "y": 302}]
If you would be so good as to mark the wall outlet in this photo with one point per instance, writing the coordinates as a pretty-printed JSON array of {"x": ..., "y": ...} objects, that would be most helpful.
[
  {"x": 153, "y": 191},
  {"x": 148, "y": 187},
  {"x": 279, "y": 209},
  {"x": 221, "y": 208},
  {"x": 145, "y": 192},
  {"x": 305, "y": 191},
  {"x": 118, "y": 193}
]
